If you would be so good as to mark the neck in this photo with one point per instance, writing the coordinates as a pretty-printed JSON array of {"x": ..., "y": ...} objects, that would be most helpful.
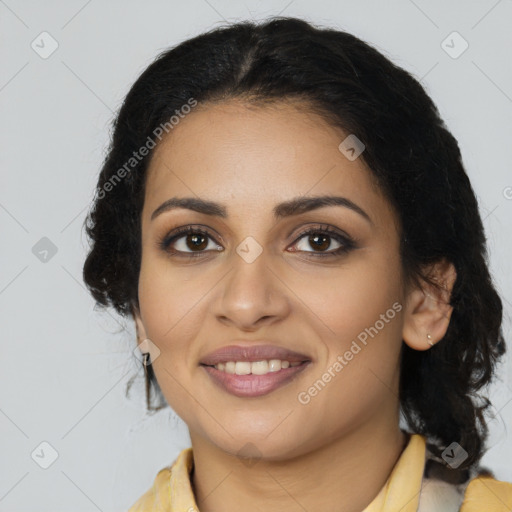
[{"x": 346, "y": 474}]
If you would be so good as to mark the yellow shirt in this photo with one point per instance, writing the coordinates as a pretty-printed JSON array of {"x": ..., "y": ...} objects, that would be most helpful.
[{"x": 172, "y": 489}]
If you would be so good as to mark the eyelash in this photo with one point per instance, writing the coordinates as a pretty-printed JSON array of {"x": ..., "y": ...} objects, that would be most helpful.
[{"x": 347, "y": 242}]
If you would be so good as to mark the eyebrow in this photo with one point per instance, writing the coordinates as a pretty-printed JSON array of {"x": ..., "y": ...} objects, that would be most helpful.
[{"x": 295, "y": 206}]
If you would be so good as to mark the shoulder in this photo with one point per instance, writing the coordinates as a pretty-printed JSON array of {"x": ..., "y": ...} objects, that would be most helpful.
[
  {"x": 462, "y": 490},
  {"x": 171, "y": 483},
  {"x": 156, "y": 498},
  {"x": 485, "y": 491}
]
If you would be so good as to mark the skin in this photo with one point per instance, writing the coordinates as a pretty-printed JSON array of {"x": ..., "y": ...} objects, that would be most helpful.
[{"x": 312, "y": 456}]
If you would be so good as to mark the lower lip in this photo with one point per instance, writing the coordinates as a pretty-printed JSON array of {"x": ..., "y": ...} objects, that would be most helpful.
[{"x": 253, "y": 385}]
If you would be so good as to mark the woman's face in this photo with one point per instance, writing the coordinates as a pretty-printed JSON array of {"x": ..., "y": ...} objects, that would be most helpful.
[{"x": 332, "y": 298}]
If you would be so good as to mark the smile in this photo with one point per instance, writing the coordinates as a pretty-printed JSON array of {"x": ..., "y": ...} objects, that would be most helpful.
[
  {"x": 254, "y": 368},
  {"x": 253, "y": 379}
]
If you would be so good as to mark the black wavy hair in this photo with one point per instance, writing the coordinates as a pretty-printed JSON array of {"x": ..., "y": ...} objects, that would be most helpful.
[{"x": 413, "y": 157}]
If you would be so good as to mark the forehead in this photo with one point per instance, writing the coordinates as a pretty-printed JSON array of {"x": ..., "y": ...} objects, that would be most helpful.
[{"x": 246, "y": 155}]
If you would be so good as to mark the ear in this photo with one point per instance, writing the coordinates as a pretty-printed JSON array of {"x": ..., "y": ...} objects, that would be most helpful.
[
  {"x": 139, "y": 327},
  {"x": 428, "y": 310},
  {"x": 145, "y": 345}
]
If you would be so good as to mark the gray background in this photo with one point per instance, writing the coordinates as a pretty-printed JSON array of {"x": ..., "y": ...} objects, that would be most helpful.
[{"x": 64, "y": 365}]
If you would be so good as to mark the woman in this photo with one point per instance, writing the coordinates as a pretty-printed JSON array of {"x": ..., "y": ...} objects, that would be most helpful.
[{"x": 287, "y": 220}]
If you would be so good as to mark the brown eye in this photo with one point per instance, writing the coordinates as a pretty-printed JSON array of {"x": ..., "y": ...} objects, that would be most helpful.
[
  {"x": 196, "y": 241},
  {"x": 321, "y": 240},
  {"x": 187, "y": 241}
]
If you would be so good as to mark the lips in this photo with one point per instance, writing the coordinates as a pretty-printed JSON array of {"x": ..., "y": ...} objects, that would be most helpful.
[
  {"x": 253, "y": 385},
  {"x": 252, "y": 353}
]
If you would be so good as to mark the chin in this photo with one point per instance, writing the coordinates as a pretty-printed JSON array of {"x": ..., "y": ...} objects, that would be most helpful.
[{"x": 251, "y": 448}]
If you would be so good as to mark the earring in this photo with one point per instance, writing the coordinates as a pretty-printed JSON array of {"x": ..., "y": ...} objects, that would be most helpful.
[
  {"x": 429, "y": 338},
  {"x": 146, "y": 356},
  {"x": 146, "y": 359}
]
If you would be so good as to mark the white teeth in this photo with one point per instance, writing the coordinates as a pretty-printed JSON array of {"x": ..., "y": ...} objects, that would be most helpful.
[
  {"x": 259, "y": 367},
  {"x": 242, "y": 368},
  {"x": 255, "y": 368},
  {"x": 274, "y": 365}
]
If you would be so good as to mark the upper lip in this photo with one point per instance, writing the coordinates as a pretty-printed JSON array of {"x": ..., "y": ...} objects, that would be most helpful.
[{"x": 252, "y": 353}]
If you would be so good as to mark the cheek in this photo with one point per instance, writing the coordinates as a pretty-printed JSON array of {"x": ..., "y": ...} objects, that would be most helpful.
[
  {"x": 350, "y": 298},
  {"x": 360, "y": 307},
  {"x": 164, "y": 303},
  {"x": 164, "y": 306},
  {"x": 167, "y": 299}
]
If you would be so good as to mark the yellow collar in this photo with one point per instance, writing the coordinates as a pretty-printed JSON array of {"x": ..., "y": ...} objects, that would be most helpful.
[
  {"x": 172, "y": 488},
  {"x": 402, "y": 489}
]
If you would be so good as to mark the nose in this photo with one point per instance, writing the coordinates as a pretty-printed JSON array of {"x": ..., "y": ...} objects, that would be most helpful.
[{"x": 252, "y": 295}]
